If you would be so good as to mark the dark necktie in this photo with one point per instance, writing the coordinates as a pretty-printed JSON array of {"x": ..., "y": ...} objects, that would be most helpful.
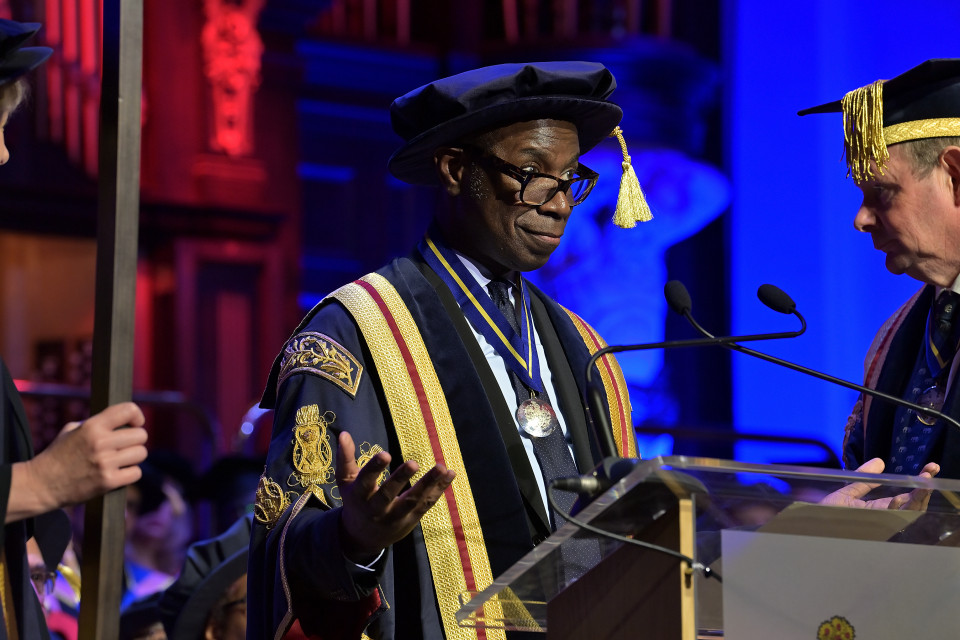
[
  {"x": 551, "y": 451},
  {"x": 917, "y": 437},
  {"x": 943, "y": 332}
]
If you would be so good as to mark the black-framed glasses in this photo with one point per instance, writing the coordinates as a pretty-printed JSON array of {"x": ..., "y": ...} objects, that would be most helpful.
[
  {"x": 42, "y": 581},
  {"x": 537, "y": 189}
]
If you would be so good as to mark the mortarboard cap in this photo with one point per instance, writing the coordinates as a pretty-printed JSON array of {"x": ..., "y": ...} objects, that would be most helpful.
[
  {"x": 15, "y": 59},
  {"x": 139, "y": 616},
  {"x": 923, "y": 102},
  {"x": 446, "y": 110},
  {"x": 52, "y": 532}
]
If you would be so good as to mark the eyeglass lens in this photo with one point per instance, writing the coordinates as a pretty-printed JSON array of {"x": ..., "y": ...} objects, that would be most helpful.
[{"x": 541, "y": 189}]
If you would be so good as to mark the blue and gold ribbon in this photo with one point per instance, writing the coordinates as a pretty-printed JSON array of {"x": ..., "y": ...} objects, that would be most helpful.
[{"x": 516, "y": 350}]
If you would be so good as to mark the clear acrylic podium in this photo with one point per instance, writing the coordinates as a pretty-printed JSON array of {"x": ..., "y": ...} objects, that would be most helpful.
[{"x": 789, "y": 563}]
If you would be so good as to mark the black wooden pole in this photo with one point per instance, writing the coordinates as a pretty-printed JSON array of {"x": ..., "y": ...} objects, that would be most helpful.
[{"x": 117, "y": 220}]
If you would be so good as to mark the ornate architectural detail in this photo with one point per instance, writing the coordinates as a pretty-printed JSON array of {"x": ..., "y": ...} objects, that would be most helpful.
[
  {"x": 315, "y": 353},
  {"x": 231, "y": 51}
]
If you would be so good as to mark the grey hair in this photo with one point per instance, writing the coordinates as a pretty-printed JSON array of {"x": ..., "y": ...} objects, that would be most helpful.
[
  {"x": 925, "y": 154},
  {"x": 12, "y": 96}
]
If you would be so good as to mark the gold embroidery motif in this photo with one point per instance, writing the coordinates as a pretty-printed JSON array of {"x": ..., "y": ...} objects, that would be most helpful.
[
  {"x": 271, "y": 502},
  {"x": 312, "y": 455},
  {"x": 316, "y": 353},
  {"x": 836, "y": 628},
  {"x": 367, "y": 451}
]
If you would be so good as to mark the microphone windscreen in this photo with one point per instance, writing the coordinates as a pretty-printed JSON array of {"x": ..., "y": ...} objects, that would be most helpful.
[
  {"x": 677, "y": 297},
  {"x": 776, "y": 299}
]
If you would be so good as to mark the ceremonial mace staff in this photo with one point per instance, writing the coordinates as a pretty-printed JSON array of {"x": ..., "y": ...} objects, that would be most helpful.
[{"x": 117, "y": 226}]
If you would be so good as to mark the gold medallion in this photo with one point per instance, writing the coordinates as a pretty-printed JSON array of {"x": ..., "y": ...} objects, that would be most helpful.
[{"x": 537, "y": 417}]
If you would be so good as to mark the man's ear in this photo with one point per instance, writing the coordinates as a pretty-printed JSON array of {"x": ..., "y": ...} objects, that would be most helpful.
[
  {"x": 450, "y": 164},
  {"x": 950, "y": 160}
]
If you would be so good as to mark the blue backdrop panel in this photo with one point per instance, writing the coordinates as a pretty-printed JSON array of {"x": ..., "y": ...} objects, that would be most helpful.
[{"x": 792, "y": 217}]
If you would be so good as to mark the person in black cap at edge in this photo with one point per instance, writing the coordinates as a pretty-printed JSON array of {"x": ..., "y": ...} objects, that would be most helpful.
[
  {"x": 208, "y": 601},
  {"x": 142, "y": 620},
  {"x": 902, "y": 143},
  {"x": 84, "y": 460},
  {"x": 422, "y": 374}
]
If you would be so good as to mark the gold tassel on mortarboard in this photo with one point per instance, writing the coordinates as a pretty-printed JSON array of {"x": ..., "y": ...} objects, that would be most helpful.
[
  {"x": 631, "y": 204},
  {"x": 863, "y": 131}
]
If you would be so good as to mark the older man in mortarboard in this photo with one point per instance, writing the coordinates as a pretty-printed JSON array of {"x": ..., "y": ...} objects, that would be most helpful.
[
  {"x": 902, "y": 139},
  {"x": 84, "y": 460},
  {"x": 422, "y": 410}
]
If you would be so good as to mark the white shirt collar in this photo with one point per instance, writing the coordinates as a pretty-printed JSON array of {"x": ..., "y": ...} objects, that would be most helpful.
[{"x": 481, "y": 274}]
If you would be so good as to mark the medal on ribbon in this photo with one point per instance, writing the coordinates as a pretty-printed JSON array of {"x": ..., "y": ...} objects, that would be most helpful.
[{"x": 534, "y": 415}]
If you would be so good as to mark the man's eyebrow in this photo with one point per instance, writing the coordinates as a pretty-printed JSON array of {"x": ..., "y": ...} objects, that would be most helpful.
[{"x": 542, "y": 153}]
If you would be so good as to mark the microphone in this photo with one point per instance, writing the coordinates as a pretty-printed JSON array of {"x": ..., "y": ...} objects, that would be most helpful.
[
  {"x": 676, "y": 294},
  {"x": 679, "y": 300},
  {"x": 775, "y": 298},
  {"x": 607, "y": 473}
]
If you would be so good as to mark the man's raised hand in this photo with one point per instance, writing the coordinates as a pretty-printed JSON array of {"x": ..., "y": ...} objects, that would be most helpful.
[{"x": 373, "y": 516}]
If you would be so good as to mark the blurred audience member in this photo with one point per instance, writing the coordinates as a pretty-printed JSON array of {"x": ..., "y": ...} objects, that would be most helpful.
[
  {"x": 141, "y": 620},
  {"x": 230, "y": 487},
  {"x": 159, "y": 525},
  {"x": 169, "y": 529},
  {"x": 209, "y": 599}
]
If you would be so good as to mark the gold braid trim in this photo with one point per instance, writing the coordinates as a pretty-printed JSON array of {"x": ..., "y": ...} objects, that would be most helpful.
[
  {"x": 922, "y": 129},
  {"x": 411, "y": 428},
  {"x": 6, "y": 598},
  {"x": 613, "y": 386},
  {"x": 287, "y": 621},
  {"x": 863, "y": 131}
]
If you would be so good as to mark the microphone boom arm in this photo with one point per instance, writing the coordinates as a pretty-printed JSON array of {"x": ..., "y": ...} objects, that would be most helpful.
[
  {"x": 927, "y": 411},
  {"x": 595, "y": 403}
]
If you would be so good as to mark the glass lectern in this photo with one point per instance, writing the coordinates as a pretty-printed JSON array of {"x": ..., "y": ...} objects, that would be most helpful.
[{"x": 787, "y": 562}]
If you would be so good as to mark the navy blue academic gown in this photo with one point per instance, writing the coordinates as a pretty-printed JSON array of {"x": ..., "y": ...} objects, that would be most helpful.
[
  {"x": 870, "y": 434},
  {"x": 297, "y": 552}
]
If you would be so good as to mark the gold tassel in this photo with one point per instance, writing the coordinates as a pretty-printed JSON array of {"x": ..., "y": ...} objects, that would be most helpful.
[
  {"x": 863, "y": 131},
  {"x": 631, "y": 204}
]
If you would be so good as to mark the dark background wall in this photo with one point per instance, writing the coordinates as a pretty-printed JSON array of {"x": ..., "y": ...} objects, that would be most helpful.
[{"x": 264, "y": 186}]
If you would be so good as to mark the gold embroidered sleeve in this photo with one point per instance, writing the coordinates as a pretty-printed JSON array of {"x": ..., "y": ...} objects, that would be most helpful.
[
  {"x": 312, "y": 454},
  {"x": 367, "y": 451},
  {"x": 315, "y": 353},
  {"x": 272, "y": 501}
]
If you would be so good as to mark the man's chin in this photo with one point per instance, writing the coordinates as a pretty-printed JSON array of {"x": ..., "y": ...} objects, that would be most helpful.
[
  {"x": 533, "y": 263},
  {"x": 895, "y": 266}
]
